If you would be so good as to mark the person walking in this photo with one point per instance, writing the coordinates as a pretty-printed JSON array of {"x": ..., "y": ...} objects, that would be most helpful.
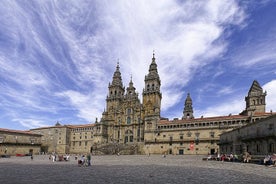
[{"x": 88, "y": 157}]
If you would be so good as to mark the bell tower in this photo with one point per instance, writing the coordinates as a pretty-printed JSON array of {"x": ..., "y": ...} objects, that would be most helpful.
[
  {"x": 151, "y": 93},
  {"x": 188, "y": 108},
  {"x": 116, "y": 91},
  {"x": 255, "y": 100}
]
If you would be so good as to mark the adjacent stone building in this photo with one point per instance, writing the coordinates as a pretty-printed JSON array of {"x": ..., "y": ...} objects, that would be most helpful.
[
  {"x": 16, "y": 142},
  {"x": 130, "y": 126},
  {"x": 257, "y": 138}
]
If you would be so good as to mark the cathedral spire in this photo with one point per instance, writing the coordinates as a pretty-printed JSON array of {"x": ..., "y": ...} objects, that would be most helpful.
[
  {"x": 117, "y": 79},
  {"x": 188, "y": 108},
  {"x": 131, "y": 90},
  {"x": 153, "y": 65},
  {"x": 116, "y": 89}
]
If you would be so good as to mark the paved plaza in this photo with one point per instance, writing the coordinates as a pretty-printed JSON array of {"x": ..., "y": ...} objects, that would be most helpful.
[{"x": 132, "y": 169}]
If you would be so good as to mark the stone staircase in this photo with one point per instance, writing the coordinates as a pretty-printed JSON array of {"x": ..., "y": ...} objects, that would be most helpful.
[{"x": 117, "y": 148}]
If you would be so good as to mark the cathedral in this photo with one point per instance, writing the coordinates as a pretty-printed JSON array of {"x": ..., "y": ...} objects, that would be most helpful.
[
  {"x": 125, "y": 115},
  {"x": 127, "y": 121},
  {"x": 129, "y": 126}
]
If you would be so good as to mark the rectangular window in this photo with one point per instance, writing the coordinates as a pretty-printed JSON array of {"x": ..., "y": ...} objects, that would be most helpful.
[
  {"x": 128, "y": 120},
  {"x": 80, "y": 143},
  {"x": 181, "y": 137},
  {"x": 128, "y": 111},
  {"x": 171, "y": 139},
  {"x": 85, "y": 143}
]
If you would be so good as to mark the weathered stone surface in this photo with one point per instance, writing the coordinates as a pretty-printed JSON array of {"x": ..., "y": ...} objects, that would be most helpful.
[{"x": 132, "y": 169}]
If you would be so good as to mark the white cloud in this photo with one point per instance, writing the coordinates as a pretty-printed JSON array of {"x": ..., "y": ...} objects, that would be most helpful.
[
  {"x": 31, "y": 123},
  {"x": 225, "y": 90},
  {"x": 270, "y": 87},
  {"x": 70, "y": 49},
  {"x": 230, "y": 107},
  {"x": 236, "y": 105},
  {"x": 182, "y": 44},
  {"x": 184, "y": 40},
  {"x": 89, "y": 106}
]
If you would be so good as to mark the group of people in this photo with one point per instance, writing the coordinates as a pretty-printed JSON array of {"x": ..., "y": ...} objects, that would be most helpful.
[
  {"x": 229, "y": 157},
  {"x": 245, "y": 157},
  {"x": 85, "y": 160},
  {"x": 54, "y": 157},
  {"x": 223, "y": 157},
  {"x": 270, "y": 160}
]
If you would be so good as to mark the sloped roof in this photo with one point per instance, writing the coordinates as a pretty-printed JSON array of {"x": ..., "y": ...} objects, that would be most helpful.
[
  {"x": 255, "y": 87},
  {"x": 27, "y": 132}
]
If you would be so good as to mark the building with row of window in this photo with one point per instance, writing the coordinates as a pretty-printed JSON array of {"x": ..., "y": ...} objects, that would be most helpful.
[
  {"x": 14, "y": 142},
  {"x": 128, "y": 123},
  {"x": 258, "y": 138}
]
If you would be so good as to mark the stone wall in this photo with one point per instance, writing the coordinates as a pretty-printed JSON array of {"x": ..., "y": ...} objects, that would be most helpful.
[{"x": 258, "y": 138}]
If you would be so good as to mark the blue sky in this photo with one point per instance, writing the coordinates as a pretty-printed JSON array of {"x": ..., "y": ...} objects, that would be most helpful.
[{"x": 57, "y": 57}]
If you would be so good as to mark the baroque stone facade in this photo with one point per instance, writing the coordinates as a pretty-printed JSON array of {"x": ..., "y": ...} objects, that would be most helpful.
[{"x": 129, "y": 126}]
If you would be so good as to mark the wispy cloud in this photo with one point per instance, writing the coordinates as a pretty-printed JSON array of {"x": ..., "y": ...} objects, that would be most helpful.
[
  {"x": 65, "y": 53},
  {"x": 223, "y": 109}
]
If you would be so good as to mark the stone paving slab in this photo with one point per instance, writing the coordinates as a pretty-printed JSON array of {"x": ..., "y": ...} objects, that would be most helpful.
[{"x": 133, "y": 169}]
